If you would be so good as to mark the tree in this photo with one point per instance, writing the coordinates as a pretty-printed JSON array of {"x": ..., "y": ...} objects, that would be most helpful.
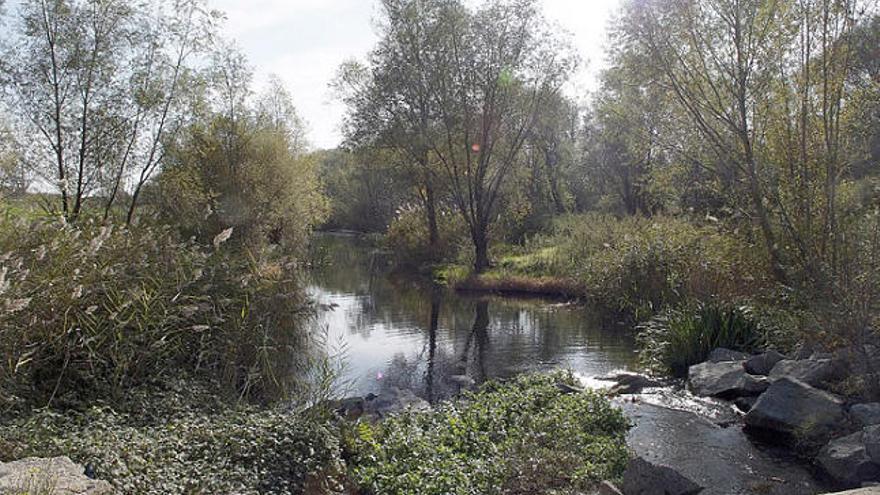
[{"x": 493, "y": 71}]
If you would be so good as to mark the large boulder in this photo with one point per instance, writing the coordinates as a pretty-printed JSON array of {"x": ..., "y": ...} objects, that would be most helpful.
[
  {"x": 630, "y": 383},
  {"x": 870, "y": 490},
  {"x": 872, "y": 442},
  {"x": 726, "y": 379},
  {"x": 56, "y": 475},
  {"x": 721, "y": 355},
  {"x": 795, "y": 412},
  {"x": 814, "y": 372},
  {"x": 645, "y": 478},
  {"x": 763, "y": 364},
  {"x": 846, "y": 460},
  {"x": 866, "y": 414}
]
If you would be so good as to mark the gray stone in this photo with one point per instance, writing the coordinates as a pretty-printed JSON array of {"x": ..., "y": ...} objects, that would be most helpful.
[
  {"x": 846, "y": 460},
  {"x": 859, "y": 491},
  {"x": 721, "y": 355},
  {"x": 796, "y": 412},
  {"x": 745, "y": 404},
  {"x": 725, "y": 379},
  {"x": 866, "y": 414},
  {"x": 630, "y": 383},
  {"x": 57, "y": 475},
  {"x": 813, "y": 372},
  {"x": 607, "y": 488},
  {"x": 762, "y": 364},
  {"x": 645, "y": 478},
  {"x": 872, "y": 442},
  {"x": 394, "y": 400}
]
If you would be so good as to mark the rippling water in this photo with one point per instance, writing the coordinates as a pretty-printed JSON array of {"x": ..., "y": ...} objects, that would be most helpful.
[{"x": 400, "y": 332}]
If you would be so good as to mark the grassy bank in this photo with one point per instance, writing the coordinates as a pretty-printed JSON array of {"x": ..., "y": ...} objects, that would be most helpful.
[{"x": 521, "y": 436}]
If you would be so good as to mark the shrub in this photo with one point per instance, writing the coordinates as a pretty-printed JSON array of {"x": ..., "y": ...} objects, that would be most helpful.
[
  {"x": 90, "y": 310},
  {"x": 678, "y": 338},
  {"x": 408, "y": 237},
  {"x": 180, "y": 438},
  {"x": 522, "y": 436}
]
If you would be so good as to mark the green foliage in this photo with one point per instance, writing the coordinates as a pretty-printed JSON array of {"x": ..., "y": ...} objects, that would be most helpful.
[
  {"x": 408, "y": 237},
  {"x": 179, "y": 438},
  {"x": 678, "y": 338},
  {"x": 522, "y": 436},
  {"x": 90, "y": 310},
  {"x": 637, "y": 266},
  {"x": 245, "y": 175}
]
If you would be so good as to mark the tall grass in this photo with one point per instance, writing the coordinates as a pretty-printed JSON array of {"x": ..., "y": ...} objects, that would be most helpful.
[
  {"x": 676, "y": 339},
  {"x": 89, "y": 310}
]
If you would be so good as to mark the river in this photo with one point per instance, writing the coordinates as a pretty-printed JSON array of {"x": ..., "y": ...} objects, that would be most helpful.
[
  {"x": 395, "y": 331},
  {"x": 399, "y": 331}
]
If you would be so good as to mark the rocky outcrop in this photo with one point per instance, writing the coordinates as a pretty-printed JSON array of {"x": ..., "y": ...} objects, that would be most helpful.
[
  {"x": 377, "y": 406},
  {"x": 645, "y": 478},
  {"x": 871, "y": 490},
  {"x": 814, "y": 372},
  {"x": 721, "y": 355},
  {"x": 866, "y": 414},
  {"x": 57, "y": 475},
  {"x": 630, "y": 383},
  {"x": 871, "y": 437},
  {"x": 763, "y": 364},
  {"x": 795, "y": 412},
  {"x": 846, "y": 460},
  {"x": 726, "y": 379}
]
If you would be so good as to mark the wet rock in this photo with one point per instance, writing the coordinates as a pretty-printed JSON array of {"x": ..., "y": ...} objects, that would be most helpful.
[
  {"x": 721, "y": 355},
  {"x": 630, "y": 383},
  {"x": 57, "y": 475},
  {"x": 796, "y": 412},
  {"x": 846, "y": 460},
  {"x": 645, "y": 478},
  {"x": 866, "y": 414},
  {"x": 872, "y": 442},
  {"x": 569, "y": 389},
  {"x": 763, "y": 364},
  {"x": 813, "y": 372},
  {"x": 725, "y": 379},
  {"x": 462, "y": 380}
]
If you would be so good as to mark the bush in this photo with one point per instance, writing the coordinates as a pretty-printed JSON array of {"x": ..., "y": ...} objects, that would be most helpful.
[
  {"x": 679, "y": 338},
  {"x": 522, "y": 436},
  {"x": 90, "y": 310},
  {"x": 180, "y": 438},
  {"x": 637, "y": 266},
  {"x": 408, "y": 237}
]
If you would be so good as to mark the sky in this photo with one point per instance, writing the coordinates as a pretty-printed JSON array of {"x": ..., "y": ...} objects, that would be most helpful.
[{"x": 304, "y": 42}]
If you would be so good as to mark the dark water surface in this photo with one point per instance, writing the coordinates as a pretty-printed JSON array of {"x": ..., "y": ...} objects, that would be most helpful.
[{"x": 404, "y": 333}]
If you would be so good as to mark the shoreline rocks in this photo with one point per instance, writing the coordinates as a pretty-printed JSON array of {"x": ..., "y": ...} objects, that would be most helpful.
[{"x": 56, "y": 475}]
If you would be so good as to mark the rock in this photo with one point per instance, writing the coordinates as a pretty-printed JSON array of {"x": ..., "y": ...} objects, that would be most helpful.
[
  {"x": 846, "y": 460},
  {"x": 796, "y": 411},
  {"x": 644, "y": 478},
  {"x": 872, "y": 442},
  {"x": 57, "y": 475},
  {"x": 725, "y": 379},
  {"x": 394, "y": 400},
  {"x": 866, "y": 414},
  {"x": 607, "y": 488},
  {"x": 813, "y": 372},
  {"x": 569, "y": 389},
  {"x": 745, "y": 404},
  {"x": 721, "y": 355},
  {"x": 859, "y": 491},
  {"x": 762, "y": 364},
  {"x": 630, "y": 383}
]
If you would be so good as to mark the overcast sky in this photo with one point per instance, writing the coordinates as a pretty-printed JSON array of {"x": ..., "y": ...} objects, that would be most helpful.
[{"x": 304, "y": 41}]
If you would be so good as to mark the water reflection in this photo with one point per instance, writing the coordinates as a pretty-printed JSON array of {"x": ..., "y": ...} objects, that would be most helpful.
[{"x": 403, "y": 333}]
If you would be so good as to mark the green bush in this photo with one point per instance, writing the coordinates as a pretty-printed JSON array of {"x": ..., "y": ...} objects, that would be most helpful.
[
  {"x": 637, "y": 266},
  {"x": 522, "y": 436},
  {"x": 678, "y": 338},
  {"x": 179, "y": 438},
  {"x": 89, "y": 310},
  {"x": 408, "y": 237}
]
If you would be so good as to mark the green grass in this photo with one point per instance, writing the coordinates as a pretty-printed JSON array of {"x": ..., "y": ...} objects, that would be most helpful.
[{"x": 521, "y": 436}]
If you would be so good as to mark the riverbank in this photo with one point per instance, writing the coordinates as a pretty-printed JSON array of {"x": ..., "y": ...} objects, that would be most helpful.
[{"x": 529, "y": 434}]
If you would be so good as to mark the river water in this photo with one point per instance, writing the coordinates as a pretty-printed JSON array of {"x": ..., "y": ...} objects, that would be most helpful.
[{"x": 396, "y": 331}]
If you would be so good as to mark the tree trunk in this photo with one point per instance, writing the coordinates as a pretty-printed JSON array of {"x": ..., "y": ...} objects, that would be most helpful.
[
  {"x": 431, "y": 214},
  {"x": 481, "y": 248}
]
